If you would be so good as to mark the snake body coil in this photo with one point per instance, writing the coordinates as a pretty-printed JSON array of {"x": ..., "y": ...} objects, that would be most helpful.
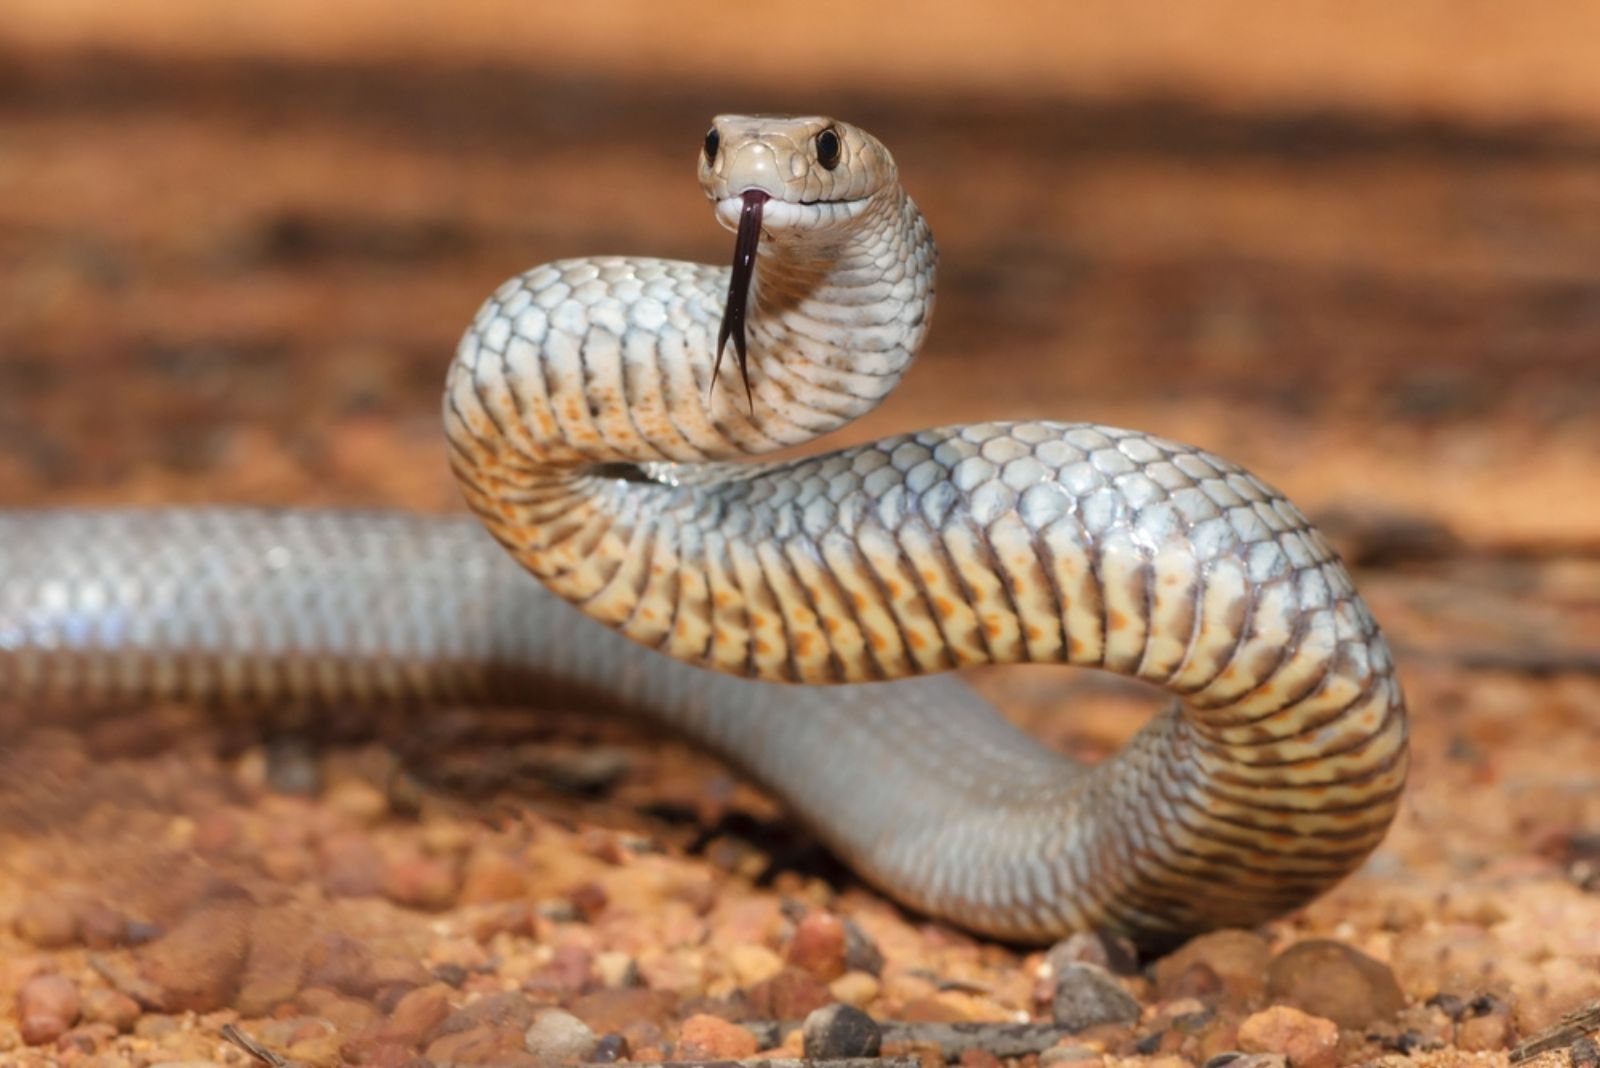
[{"x": 589, "y": 433}]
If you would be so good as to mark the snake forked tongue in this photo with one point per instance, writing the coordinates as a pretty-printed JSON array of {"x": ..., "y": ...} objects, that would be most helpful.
[{"x": 744, "y": 265}]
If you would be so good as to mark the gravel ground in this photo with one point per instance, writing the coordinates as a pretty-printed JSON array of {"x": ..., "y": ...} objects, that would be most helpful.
[{"x": 240, "y": 280}]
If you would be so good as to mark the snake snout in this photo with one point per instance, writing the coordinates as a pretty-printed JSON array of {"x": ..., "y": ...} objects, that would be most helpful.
[{"x": 754, "y": 166}]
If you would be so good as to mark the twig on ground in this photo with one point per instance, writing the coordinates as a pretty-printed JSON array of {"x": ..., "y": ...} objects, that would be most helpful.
[
  {"x": 953, "y": 1039},
  {"x": 252, "y": 1047},
  {"x": 1570, "y": 1028}
]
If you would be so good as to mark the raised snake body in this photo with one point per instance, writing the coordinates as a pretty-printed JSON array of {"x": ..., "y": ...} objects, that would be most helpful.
[{"x": 589, "y": 432}]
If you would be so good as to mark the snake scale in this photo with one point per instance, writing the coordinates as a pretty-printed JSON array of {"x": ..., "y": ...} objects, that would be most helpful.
[{"x": 599, "y": 438}]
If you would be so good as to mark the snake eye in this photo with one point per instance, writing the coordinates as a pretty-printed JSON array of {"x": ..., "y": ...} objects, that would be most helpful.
[
  {"x": 712, "y": 143},
  {"x": 828, "y": 148}
]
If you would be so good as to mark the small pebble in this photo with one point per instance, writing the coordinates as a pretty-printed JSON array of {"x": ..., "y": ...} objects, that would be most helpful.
[
  {"x": 492, "y": 876},
  {"x": 861, "y": 953},
  {"x": 348, "y": 1015},
  {"x": 1307, "y": 1041},
  {"x": 102, "y": 1005},
  {"x": 792, "y": 994},
  {"x": 1238, "y": 959},
  {"x": 286, "y": 864},
  {"x": 350, "y": 864},
  {"x": 587, "y": 901},
  {"x": 1584, "y": 1053},
  {"x": 818, "y": 946},
  {"x": 856, "y": 988},
  {"x": 1486, "y": 1026},
  {"x": 509, "y": 1010},
  {"x": 486, "y": 1043},
  {"x": 85, "y": 1039},
  {"x": 1110, "y": 951},
  {"x": 752, "y": 964},
  {"x": 559, "y": 1036},
  {"x": 417, "y": 1015},
  {"x": 979, "y": 1058},
  {"x": 47, "y": 922},
  {"x": 609, "y": 1049},
  {"x": 1087, "y": 995},
  {"x": 567, "y": 972},
  {"x": 463, "y": 953},
  {"x": 1415, "y": 1028},
  {"x": 1449, "y": 1004},
  {"x": 1408, "y": 1042},
  {"x": 292, "y": 767},
  {"x": 836, "y": 1031},
  {"x": 196, "y": 966},
  {"x": 47, "y": 1006},
  {"x": 638, "y": 1015},
  {"x": 103, "y": 927},
  {"x": 1332, "y": 980},
  {"x": 155, "y": 1026},
  {"x": 616, "y": 970},
  {"x": 341, "y": 963},
  {"x": 449, "y": 973},
  {"x": 217, "y": 832},
  {"x": 358, "y": 800},
  {"x": 704, "y": 1037},
  {"x": 421, "y": 882}
]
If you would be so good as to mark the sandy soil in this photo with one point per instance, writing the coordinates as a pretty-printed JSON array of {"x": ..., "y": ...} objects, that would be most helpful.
[{"x": 234, "y": 263}]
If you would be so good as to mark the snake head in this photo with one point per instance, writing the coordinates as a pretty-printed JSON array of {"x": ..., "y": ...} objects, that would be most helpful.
[
  {"x": 790, "y": 178},
  {"x": 816, "y": 172}
]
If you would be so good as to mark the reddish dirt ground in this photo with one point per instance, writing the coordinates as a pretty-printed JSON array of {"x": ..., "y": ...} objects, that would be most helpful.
[{"x": 235, "y": 274}]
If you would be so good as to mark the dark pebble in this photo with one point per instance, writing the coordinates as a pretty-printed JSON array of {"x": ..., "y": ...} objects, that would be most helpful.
[
  {"x": 449, "y": 974},
  {"x": 1448, "y": 1004},
  {"x": 1110, "y": 951},
  {"x": 1409, "y": 1042},
  {"x": 1584, "y": 1053},
  {"x": 1483, "y": 1005},
  {"x": 837, "y": 1031},
  {"x": 861, "y": 953},
  {"x": 292, "y": 767},
  {"x": 610, "y": 1049},
  {"x": 1087, "y": 995},
  {"x": 1235, "y": 1059}
]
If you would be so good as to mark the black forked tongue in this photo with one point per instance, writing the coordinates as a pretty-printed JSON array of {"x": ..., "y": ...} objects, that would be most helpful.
[{"x": 733, "y": 313}]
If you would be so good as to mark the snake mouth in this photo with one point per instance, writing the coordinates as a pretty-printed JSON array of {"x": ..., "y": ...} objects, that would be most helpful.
[
  {"x": 752, "y": 206},
  {"x": 733, "y": 311}
]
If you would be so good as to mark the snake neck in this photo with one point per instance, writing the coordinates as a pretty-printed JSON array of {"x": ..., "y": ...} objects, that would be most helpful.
[
  {"x": 580, "y": 365},
  {"x": 837, "y": 317}
]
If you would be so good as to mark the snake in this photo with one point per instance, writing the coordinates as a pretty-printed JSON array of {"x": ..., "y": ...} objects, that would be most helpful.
[{"x": 802, "y": 618}]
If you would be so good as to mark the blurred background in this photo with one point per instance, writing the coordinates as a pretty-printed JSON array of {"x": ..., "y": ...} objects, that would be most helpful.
[
  {"x": 1352, "y": 245},
  {"x": 1355, "y": 246}
]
